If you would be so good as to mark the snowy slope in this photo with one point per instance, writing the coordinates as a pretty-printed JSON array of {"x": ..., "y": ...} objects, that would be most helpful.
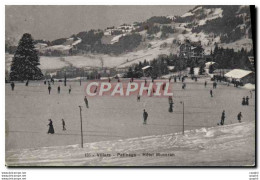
[{"x": 219, "y": 146}]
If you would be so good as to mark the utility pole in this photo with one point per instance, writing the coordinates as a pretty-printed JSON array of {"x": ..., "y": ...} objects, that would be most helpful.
[
  {"x": 182, "y": 102},
  {"x": 81, "y": 127}
]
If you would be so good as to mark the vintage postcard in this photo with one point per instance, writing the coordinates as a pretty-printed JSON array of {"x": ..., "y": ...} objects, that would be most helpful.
[{"x": 121, "y": 86}]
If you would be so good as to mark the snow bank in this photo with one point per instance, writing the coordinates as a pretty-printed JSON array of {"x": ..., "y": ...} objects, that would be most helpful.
[
  {"x": 249, "y": 86},
  {"x": 225, "y": 145}
]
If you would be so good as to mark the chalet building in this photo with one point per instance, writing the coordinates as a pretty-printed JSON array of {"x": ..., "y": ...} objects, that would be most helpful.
[
  {"x": 240, "y": 75},
  {"x": 192, "y": 51}
]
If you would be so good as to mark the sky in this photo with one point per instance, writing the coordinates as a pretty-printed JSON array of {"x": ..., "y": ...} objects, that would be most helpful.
[{"x": 53, "y": 22}]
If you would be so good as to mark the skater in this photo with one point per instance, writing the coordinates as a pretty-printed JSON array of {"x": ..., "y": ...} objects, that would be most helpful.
[
  {"x": 171, "y": 106},
  {"x": 132, "y": 79},
  {"x": 12, "y": 85},
  {"x": 86, "y": 101},
  {"x": 175, "y": 79},
  {"x": 63, "y": 125},
  {"x": 222, "y": 118},
  {"x": 27, "y": 82},
  {"x": 51, "y": 129},
  {"x": 59, "y": 89},
  {"x": 44, "y": 82},
  {"x": 145, "y": 116},
  {"x": 183, "y": 85},
  {"x": 211, "y": 93},
  {"x": 49, "y": 89},
  {"x": 145, "y": 82},
  {"x": 118, "y": 80},
  {"x": 138, "y": 98},
  {"x": 52, "y": 80},
  {"x": 109, "y": 80},
  {"x": 205, "y": 84},
  {"x": 170, "y": 99},
  {"x": 247, "y": 100},
  {"x": 244, "y": 101},
  {"x": 239, "y": 116},
  {"x": 70, "y": 89}
]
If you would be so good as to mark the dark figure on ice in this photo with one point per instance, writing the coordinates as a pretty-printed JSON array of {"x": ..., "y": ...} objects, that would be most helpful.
[
  {"x": 171, "y": 106},
  {"x": 138, "y": 98},
  {"x": 247, "y": 100},
  {"x": 118, "y": 80},
  {"x": 70, "y": 89},
  {"x": 170, "y": 99},
  {"x": 145, "y": 116},
  {"x": 51, "y": 129},
  {"x": 239, "y": 116},
  {"x": 132, "y": 79},
  {"x": 63, "y": 125},
  {"x": 44, "y": 82},
  {"x": 86, "y": 101},
  {"x": 49, "y": 89},
  {"x": 179, "y": 78},
  {"x": 205, "y": 84},
  {"x": 175, "y": 78},
  {"x": 183, "y": 86},
  {"x": 145, "y": 82},
  {"x": 211, "y": 93},
  {"x": 244, "y": 101},
  {"x": 27, "y": 82},
  {"x": 12, "y": 85},
  {"x": 52, "y": 80},
  {"x": 222, "y": 118},
  {"x": 182, "y": 79},
  {"x": 109, "y": 80},
  {"x": 59, "y": 89}
]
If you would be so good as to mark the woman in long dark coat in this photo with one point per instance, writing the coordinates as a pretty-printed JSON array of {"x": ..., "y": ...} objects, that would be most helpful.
[{"x": 51, "y": 129}]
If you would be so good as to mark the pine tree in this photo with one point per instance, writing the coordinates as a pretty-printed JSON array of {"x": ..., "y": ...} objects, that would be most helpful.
[{"x": 25, "y": 61}]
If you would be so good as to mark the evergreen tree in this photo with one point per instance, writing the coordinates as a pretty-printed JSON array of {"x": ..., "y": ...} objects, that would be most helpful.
[{"x": 25, "y": 61}]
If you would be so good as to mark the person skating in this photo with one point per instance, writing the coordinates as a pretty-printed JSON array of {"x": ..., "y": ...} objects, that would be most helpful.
[
  {"x": 27, "y": 83},
  {"x": 244, "y": 101},
  {"x": 205, "y": 84},
  {"x": 239, "y": 116},
  {"x": 63, "y": 125},
  {"x": 12, "y": 85},
  {"x": 70, "y": 89},
  {"x": 222, "y": 118},
  {"x": 51, "y": 129},
  {"x": 86, "y": 101},
  {"x": 211, "y": 93},
  {"x": 175, "y": 78},
  {"x": 170, "y": 107},
  {"x": 49, "y": 89},
  {"x": 145, "y": 116},
  {"x": 138, "y": 98},
  {"x": 247, "y": 100},
  {"x": 59, "y": 89}
]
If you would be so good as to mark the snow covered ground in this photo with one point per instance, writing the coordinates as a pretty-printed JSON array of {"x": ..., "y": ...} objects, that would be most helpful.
[
  {"x": 113, "y": 118},
  {"x": 231, "y": 145}
]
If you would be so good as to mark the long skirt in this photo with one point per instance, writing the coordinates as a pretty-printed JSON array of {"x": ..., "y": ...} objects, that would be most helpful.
[{"x": 51, "y": 130}]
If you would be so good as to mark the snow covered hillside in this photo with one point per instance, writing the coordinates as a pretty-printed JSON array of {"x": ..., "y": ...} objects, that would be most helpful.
[{"x": 230, "y": 145}]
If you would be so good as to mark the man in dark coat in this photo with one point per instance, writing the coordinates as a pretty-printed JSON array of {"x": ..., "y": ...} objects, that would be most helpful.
[
  {"x": 59, "y": 89},
  {"x": 49, "y": 89},
  {"x": 145, "y": 116},
  {"x": 211, "y": 93},
  {"x": 244, "y": 101},
  {"x": 222, "y": 118},
  {"x": 239, "y": 116},
  {"x": 247, "y": 100},
  {"x": 27, "y": 83},
  {"x": 12, "y": 85},
  {"x": 175, "y": 78},
  {"x": 63, "y": 125},
  {"x": 205, "y": 84},
  {"x": 138, "y": 98},
  {"x": 70, "y": 89},
  {"x": 171, "y": 106},
  {"x": 86, "y": 101}
]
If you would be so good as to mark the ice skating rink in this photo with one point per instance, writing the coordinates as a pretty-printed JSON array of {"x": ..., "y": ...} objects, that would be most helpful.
[{"x": 112, "y": 118}]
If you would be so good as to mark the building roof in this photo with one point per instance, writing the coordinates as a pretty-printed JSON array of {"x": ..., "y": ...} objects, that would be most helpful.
[
  {"x": 207, "y": 64},
  {"x": 146, "y": 67},
  {"x": 237, "y": 73}
]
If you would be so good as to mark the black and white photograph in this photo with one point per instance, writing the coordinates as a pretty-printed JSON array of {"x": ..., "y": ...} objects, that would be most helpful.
[{"x": 130, "y": 86}]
